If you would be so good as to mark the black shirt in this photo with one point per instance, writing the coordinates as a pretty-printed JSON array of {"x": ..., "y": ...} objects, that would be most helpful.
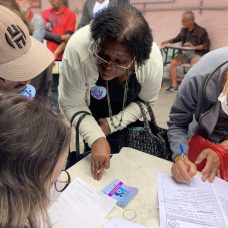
[{"x": 99, "y": 108}]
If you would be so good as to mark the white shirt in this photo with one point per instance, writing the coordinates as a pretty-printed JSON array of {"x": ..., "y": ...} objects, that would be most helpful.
[{"x": 100, "y": 6}]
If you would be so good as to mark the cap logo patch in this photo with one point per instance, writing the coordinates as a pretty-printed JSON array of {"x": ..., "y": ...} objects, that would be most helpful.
[{"x": 15, "y": 37}]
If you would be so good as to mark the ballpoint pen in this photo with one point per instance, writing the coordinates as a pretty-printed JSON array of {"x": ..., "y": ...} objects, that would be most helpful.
[
  {"x": 182, "y": 152},
  {"x": 183, "y": 158}
]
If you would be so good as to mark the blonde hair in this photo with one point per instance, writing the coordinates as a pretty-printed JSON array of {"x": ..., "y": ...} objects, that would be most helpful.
[{"x": 32, "y": 139}]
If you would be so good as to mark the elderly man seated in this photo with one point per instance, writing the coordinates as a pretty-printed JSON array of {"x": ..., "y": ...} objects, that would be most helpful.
[{"x": 191, "y": 35}]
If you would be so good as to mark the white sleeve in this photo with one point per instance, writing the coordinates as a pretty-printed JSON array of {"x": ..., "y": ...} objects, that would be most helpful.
[{"x": 72, "y": 98}]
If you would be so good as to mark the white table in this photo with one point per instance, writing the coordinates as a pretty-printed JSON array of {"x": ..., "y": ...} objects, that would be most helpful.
[
  {"x": 175, "y": 50},
  {"x": 136, "y": 169}
]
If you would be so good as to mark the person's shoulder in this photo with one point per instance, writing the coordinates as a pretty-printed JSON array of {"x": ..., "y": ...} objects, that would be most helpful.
[
  {"x": 46, "y": 11},
  {"x": 68, "y": 11},
  {"x": 80, "y": 40},
  {"x": 155, "y": 54},
  {"x": 77, "y": 52},
  {"x": 153, "y": 66},
  {"x": 215, "y": 57},
  {"x": 83, "y": 34},
  {"x": 200, "y": 28}
]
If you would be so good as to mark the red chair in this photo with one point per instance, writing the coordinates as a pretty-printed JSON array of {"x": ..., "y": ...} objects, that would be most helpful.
[{"x": 198, "y": 143}]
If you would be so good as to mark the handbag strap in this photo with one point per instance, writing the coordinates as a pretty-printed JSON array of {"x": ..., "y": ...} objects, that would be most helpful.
[
  {"x": 150, "y": 111},
  {"x": 152, "y": 116},
  {"x": 145, "y": 120},
  {"x": 84, "y": 113},
  {"x": 76, "y": 114}
]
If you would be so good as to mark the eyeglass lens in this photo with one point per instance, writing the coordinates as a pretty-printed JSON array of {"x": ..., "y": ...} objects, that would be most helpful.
[
  {"x": 101, "y": 60},
  {"x": 63, "y": 181}
]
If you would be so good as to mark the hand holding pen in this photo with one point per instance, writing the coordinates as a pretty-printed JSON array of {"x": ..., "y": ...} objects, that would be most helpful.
[{"x": 183, "y": 170}]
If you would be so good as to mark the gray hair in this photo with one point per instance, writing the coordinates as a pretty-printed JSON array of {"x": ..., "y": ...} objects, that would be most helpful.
[{"x": 190, "y": 15}]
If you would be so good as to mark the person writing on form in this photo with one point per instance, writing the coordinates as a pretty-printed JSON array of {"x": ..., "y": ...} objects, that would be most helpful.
[{"x": 198, "y": 110}]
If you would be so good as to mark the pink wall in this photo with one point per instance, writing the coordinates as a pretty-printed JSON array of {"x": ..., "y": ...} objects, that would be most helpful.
[
  {"x": 165, "y": 22},
  {"x": 164, "y": 18}
]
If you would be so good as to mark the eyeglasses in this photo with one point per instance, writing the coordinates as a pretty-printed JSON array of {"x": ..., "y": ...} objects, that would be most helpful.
[
  {"x": 100, "y": 61},
  {"x": 63, "y": 181}
]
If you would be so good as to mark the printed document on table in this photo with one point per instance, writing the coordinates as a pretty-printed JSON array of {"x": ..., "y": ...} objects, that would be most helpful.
[
  {"x": 80, "y": 205},
  {"x": 189, "y": 206},
  {"x": 221, "y": 188}
]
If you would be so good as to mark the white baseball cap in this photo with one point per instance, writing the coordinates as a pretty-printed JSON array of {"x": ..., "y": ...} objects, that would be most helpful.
[{"x": 21, "y": 56}]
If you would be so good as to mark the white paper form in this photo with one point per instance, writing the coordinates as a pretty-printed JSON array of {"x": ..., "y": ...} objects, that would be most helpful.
[
  {"x": 221, "y": 188},
  {"x": 189, "y": 206},
  {"x": 80, "y": 205},
  {"x": 121, "y": 223}
]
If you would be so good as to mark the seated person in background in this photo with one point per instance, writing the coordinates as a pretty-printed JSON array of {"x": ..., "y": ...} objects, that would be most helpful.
[
  {"x": 21, "y": 57},
  {"x": 191, "y": 35},
  {"x": 197, "y": 99},
  {"x": 33, "y": 150},
  {"x": 113, "y": 63}
]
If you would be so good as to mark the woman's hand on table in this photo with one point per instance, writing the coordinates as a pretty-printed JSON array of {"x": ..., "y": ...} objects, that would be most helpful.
[
  {"x": 183, "y": 170},
  {"x": 212, "y": 167},
  {"x": 100, "y": 157}
]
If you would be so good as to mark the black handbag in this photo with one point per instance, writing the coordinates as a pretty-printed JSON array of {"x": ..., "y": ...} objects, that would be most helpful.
[
  {"x": 76, "y": 156},
  {"x": 146, "y": 136}
]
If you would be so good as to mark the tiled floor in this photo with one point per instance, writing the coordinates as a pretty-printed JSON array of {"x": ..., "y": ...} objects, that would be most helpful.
[{"x": 163, "y": 106}]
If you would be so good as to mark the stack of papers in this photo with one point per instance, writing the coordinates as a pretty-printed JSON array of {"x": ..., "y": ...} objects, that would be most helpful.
[
  {"x": 80, "y": 205},
  {"x": 198, "y": 205}
]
